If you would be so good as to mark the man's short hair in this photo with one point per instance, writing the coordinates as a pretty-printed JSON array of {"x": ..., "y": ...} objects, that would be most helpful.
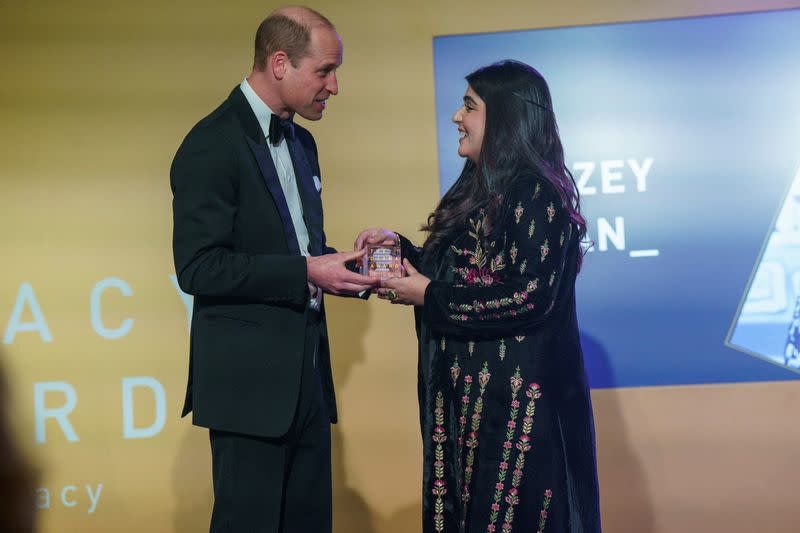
[{"x": 280, "y": 32}]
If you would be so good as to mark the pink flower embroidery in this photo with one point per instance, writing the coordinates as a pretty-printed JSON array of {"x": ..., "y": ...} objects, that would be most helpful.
[
  {"x": 439, "y": 488},
  {"x": 518, "y": 212},
  {"x": 548, "y": 493},
  {"x": 544, "y": 249},
  {"x": 482, "y": 276},
  {"x": 483, "y": 378},
  {"x": 551, "y": 212},
  {"x": 489, "y": 278},
  {"x": 511, "y": 499}
]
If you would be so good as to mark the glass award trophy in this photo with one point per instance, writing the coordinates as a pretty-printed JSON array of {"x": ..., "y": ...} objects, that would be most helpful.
[{"x": 382, "y": 261}]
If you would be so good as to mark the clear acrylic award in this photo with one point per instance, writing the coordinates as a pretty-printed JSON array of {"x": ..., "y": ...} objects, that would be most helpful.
[{"x": 382, "y": 261}]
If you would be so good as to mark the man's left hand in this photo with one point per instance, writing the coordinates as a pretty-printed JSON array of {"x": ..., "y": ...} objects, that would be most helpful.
[{"x": 381, "y": 236}]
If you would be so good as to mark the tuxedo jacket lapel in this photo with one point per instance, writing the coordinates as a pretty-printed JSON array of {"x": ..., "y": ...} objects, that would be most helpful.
[
  {"x": 309, "y": 196},
  {"x": 256, "y": 139},
  {"x": 270, "y": 175}
]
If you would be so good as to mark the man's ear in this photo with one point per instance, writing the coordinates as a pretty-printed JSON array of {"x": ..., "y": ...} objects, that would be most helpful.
[{"x": 279, "y": 63}]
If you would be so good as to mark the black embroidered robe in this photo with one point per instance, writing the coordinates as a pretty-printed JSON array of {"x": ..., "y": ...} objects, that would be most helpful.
[{"x": 505, "y": 412}]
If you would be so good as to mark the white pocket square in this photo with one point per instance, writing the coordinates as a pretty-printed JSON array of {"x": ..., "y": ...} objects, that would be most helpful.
[{"x": 317, "y": 183}]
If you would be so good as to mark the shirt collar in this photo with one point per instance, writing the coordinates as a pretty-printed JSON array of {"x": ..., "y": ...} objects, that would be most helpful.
[{"x": 262, "y": 111}]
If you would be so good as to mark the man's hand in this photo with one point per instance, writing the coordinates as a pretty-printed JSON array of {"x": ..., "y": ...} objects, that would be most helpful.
[
  {"x": 409, "y": 290},
  {"x": 375, "y": 236},
  {"x": 329, "y": 274}
]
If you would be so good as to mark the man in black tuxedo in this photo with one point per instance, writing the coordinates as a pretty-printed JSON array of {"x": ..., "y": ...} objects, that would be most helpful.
[{"x": 249, "y": 245}]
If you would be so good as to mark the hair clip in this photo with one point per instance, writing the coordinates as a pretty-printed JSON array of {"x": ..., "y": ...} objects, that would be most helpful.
[{"x": 537, "y": 104}]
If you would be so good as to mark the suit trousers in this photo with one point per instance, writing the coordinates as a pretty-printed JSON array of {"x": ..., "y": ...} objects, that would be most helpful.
[{"x": 278, "y": 485}]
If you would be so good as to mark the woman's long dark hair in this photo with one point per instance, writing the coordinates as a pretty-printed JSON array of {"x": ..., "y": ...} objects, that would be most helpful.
[{"x": 520, "y": 138}]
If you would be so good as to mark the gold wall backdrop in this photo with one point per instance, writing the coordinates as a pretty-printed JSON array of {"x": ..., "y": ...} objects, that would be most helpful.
[{"x": 94, "y": 100}]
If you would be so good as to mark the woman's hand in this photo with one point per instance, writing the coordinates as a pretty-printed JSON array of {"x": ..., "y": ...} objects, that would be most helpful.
[
  {"x": 380, "y": 236},
  {"x": 408, "y": 290}
]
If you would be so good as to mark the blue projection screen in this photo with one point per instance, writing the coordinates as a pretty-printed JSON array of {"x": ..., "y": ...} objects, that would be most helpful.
[{"x": 684, "y": 138}]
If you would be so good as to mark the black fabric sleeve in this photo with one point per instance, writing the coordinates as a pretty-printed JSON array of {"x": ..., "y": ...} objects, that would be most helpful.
[
  {"x": 204, "y": 183},
  {"x": 409, "y": 251}
]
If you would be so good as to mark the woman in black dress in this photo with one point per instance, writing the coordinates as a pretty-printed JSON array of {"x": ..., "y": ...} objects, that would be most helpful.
[{"x": 508, "y": 436}]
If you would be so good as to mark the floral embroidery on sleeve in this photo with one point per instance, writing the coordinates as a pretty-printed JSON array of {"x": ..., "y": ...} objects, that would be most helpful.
[
  {"x": 533, "y": 238},
  {"x": 518, "y": 298},
  {"x": 480, "y": 273}
]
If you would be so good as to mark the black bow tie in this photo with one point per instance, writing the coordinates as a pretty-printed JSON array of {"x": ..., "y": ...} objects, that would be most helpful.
[{"x": 280, "y": 128}]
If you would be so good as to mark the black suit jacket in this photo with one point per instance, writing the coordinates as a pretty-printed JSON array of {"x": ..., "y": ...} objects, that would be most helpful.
[{"x": 236, "y": 252}]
